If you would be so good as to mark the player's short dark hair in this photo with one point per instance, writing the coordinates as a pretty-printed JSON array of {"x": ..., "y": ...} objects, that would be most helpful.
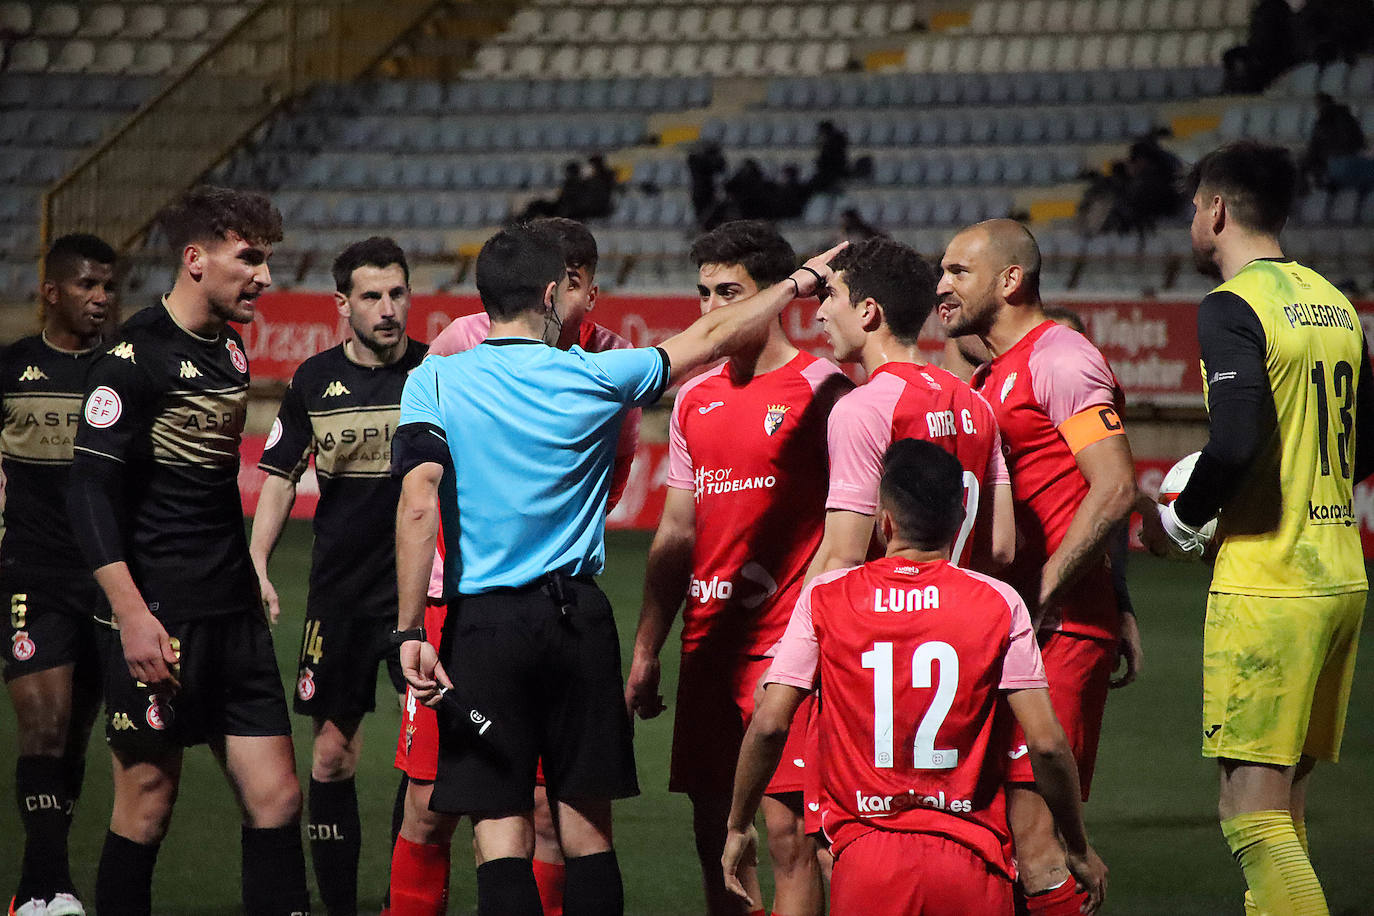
[
  {"x": 377, "y": 251},
  {"x": 1258, "y": 183},
  {"x": 67, "y": 253},
  {"x": 576, "y": 240},
  {"x": 207, "y": 212},
  {"x": 1066, "y": 316},
  {"x": 514, "y": 267},
  {"x": 923, "y": 488},
  {"x": 754, "y": 244},
  {"x": 896, "y": 277}
]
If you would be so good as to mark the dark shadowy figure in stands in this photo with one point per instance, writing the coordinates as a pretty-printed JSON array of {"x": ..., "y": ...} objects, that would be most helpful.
[
  {"x": 705, "y": 165},
  {"x": 1152, "y": 193},
  {"x": 1103, "y": 207},
  {"x": 1332, "y": 30},
  {"x": 1270, "y": 48},
  {"x": 1336, "y": 137},
  {"x": 854, "y": 229},
  {"x": 792, "y": 193},
  {"x": 832, "y": 158},
  {"x": 599, "y": 190}
]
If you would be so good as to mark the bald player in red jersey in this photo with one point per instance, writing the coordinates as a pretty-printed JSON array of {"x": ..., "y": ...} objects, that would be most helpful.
[
  {"x": 420, "y": 860},
  {"x": 880, "y": 296},
  {"x": 743, "y": 516},
  {"x": 924, "y": 666},
  {"x": 1072, "y": 481}
]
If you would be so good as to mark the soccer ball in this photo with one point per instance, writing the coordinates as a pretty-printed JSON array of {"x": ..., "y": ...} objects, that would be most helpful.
[{"x": 1174, "y": 482}]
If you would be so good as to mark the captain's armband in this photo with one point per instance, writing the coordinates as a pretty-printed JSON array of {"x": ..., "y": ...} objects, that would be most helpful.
[{"x": 1092, "y": 425}]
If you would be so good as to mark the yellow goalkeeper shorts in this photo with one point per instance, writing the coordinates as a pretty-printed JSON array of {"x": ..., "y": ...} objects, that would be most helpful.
[{"x": 1276, "y": 675}]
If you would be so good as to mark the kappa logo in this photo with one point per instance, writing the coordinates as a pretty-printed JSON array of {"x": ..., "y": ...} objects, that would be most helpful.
[
  {"x": 121, "y": 722},
  {"x": 23, "y": 648},
  {"x": 124, "y": 350},
  {"x": 31, "y": 374},
  {"x": 189, "y": 370},
  {"x": 773, "y": 419},
  {"x": 710, "y": 407},
  {"x": 1006, "y": 387},
  {"x": 236, "y": 356},
  {"x": 334, "y": 389}
]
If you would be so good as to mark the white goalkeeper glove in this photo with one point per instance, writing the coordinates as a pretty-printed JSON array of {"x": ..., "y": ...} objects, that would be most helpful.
[{"x": 1184, "y": 539}]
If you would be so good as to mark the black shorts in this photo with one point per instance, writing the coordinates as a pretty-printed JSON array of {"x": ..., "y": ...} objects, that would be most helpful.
[
  {"x": 550, "y": 682},
  {"x": 229, "y": 686},
  {"x": 336, "y": 678},
  {"x": 48, "y": 626}
]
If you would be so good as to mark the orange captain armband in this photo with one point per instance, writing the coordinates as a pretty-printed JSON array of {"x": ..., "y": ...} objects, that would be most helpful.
[{"x": 1092, "y": 425}]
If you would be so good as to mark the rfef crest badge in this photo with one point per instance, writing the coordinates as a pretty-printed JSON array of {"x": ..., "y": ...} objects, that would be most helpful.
[
  {"x": 773, "y": 419},
  {"x": 23, "y": 647}
]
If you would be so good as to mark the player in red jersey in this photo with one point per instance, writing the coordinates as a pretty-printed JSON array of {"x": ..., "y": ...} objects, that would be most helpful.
[
  {"x": 743, "y": 516},
  {"x": 924, "y": 665},
  {"x": 1072, "y": 482},
  {"x": 875, "y": 305},
  {"x": 420, "y": 860}
]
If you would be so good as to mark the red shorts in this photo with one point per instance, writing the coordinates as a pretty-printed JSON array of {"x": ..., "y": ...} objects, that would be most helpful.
[
  {"x": 715, "y": 700},
  {"x": 1079, "y": 671},
  {"x": 874, "y": 876}
]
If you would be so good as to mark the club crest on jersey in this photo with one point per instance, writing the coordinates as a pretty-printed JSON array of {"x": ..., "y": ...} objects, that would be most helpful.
[
  {"x": 23, "y": 647},
  {"x": 1006, "y": 387},
  {"x": 305, "y": 687},
  {"x": 236, "y": 356},
  {"x": 773, "y": 419},
  {"x": 274, "y": 436},
  {"x": 159, "y": 714},
  {"x": 103, "y": 407}
]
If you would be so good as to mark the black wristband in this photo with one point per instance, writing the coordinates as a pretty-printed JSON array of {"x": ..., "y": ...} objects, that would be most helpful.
[
  {"x": 402, "y": 636},
  {"x": 796, "y": 287},
  {"x": 820, "y": 281}
]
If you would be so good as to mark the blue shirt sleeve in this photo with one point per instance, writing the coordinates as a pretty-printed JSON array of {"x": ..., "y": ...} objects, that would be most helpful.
[
  {"x": 638, "y": 376},
  {"x": 420, "y": 397}
]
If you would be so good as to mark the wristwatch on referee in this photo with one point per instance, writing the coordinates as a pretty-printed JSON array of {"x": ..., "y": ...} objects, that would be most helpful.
[{"x": 404, "y": 636}]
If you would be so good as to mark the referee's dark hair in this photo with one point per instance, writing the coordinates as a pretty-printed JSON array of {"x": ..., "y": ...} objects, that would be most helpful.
[
  {"x": 207, "y": 212},
  {"x": 67, "y": 253},
  {"x": 896, "y": 277},
  {"x": 754, "y": 244},
  {"x": 1258, "y": 182},
  {"x": 514, "y": 268},
  {"x": 576, "y": 240},
  {"x": 922, "y": 487},
  {"x": 377, "y": 251}
]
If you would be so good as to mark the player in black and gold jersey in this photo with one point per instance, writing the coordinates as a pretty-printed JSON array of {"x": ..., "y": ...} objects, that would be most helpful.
[
  {"x": 342, "y": 408},
  {"x": 1289, "y": 398},
  {"x": 51, "y": 665},
  {"x": 154, "y": 503}
]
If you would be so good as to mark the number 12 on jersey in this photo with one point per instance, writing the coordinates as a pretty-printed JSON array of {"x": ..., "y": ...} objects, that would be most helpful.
[{"x": 923, "y": 660}]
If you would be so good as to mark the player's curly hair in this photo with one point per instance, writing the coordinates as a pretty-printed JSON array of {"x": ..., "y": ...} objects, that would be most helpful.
[
  {"x": 896, "y": 277},
  {"x": 1258, "y": 182},
  {"x": 70, "y": 250},
  {"x": 754, "y": 244},
  {"x": 207, "y": 212},
  {"x": 377, "y": 251},
  {"x": 923, "y": 487},
  {"x": 576, "y": 240}
]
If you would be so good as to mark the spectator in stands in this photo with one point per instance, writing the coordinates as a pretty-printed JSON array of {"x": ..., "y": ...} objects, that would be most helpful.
[
  {"x": 1269, "y": 48},
  {"x": 1152, "y": 190},
  {"x": 598, "y": 190},
  {"x": 792, "y": 193},
  {"x": 1331, "y": 30},
  {"x": 1103, "y": 207},
  {"x": 832, "y": 158},
  {"x": 854, "y": 229},
  {"x": 705, "y": 165},
  {"x": 1336, "y": 137}
]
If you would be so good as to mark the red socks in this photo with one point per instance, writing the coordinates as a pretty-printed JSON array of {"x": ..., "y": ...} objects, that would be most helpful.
[
  {"x": 550, "y": 876},
  {"x": 1064, "y": 900},
  {"x": 419, "y": 879}
]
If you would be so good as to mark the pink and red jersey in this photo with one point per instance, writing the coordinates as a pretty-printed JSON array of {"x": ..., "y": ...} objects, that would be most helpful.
[
  {"x": 906, "y": 400},
  {"x": 467, "y": 331},
  {"x": 754, "y": 456},
  {"x": 912, "y": 730},
  {"x": 1054, "y": 395}
]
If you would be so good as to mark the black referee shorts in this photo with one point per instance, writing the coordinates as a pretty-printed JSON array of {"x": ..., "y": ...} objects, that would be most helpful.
[{"x": 549, "y": 679}]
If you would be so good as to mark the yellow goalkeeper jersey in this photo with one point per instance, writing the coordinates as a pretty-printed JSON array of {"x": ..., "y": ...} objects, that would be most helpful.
[{"x": 1290, "y": 528}]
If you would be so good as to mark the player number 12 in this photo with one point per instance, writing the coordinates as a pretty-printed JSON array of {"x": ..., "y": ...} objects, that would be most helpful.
[{"x": 879, "y": 658}]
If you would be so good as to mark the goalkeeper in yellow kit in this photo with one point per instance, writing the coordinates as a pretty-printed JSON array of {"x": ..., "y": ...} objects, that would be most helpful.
[{"x": 1288, "y": 388}]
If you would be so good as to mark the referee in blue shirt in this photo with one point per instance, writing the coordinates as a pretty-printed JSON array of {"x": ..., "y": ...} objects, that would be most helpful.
[{"x": 512, "y": 444}]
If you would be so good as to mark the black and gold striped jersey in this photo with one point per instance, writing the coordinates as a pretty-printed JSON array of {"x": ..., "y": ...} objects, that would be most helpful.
[
  {"x": 161, "y": 423},
  {"x": 42, "y": 387},
  {"x": 345, "y": 414}
]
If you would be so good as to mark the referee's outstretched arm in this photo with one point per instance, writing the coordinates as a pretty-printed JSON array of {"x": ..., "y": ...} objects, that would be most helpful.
[{"x": 720, "y": 333}]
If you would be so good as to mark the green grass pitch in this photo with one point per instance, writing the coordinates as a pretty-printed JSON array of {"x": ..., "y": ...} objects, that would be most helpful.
[{"x": 1152, "y": 815}]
